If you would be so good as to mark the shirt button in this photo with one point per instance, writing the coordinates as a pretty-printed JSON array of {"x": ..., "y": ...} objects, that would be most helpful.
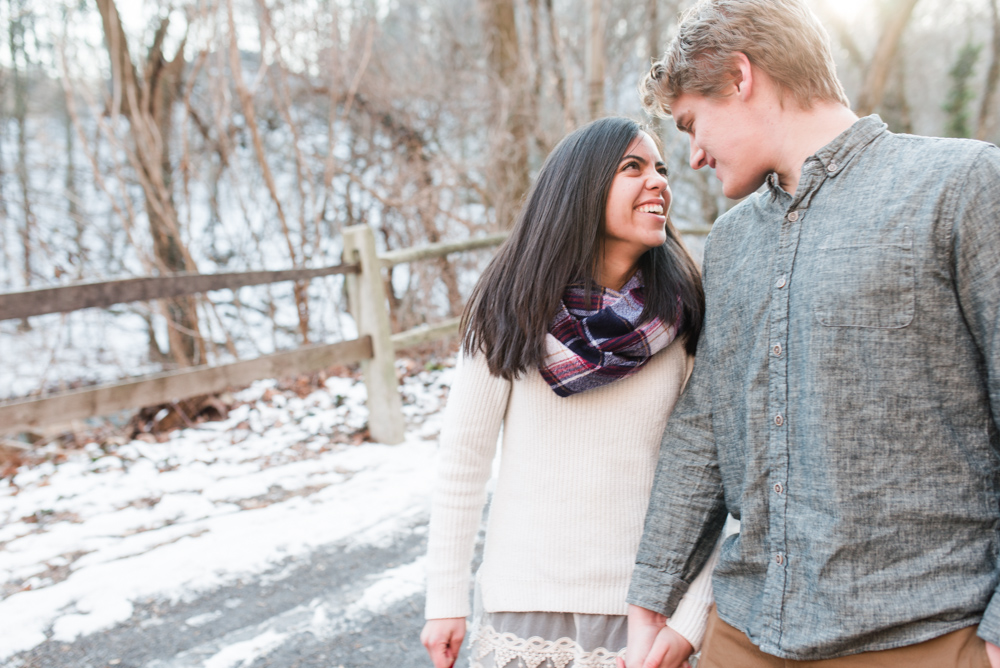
[
  {"x": 832, "y": 167},
  {"x": 778, "y": 489},
  {"x": 778, "y": 420},
  {"x": 779, "y": 558},
  {"x": 780, "y": 283},
  {"x": 777, "y": 350},
  {"x": 793, "y": 216}
]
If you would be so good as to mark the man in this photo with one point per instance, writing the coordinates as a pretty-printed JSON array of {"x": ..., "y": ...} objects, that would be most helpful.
[{"x": 845, "y": 399}]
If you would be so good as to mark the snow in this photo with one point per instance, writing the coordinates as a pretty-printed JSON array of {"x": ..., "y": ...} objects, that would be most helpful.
[
  {"x": 85, "y": 539},
  {"x": 393, "y": 586},
  {"x": 243, "y": 654}
]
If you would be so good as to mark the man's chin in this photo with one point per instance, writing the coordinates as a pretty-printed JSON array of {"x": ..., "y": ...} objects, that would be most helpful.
[
  {"x": 740, "y": 190},
  {"x": 737, "y": 193}
]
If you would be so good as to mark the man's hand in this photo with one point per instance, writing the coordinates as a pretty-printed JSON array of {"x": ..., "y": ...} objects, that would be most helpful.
[
  {"x": 653, "y": 644},
  {"x": 993, "y": 652},
  {"x": 442, "y": 638}
]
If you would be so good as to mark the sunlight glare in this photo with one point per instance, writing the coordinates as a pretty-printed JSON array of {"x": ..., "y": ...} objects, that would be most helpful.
[{"x": 849, "y": 10}]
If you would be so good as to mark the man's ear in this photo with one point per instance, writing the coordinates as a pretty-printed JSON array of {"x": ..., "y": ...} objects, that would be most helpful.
[{"x": 743, "y": 72}]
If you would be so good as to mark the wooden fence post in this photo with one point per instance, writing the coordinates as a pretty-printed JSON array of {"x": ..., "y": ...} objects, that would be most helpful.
[{"x": 366, "y": 293}]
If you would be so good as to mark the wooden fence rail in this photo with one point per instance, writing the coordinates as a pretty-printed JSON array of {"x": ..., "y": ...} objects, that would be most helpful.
[
  {"x": 375, "y": 346},
  {"x": 65, "y": 407},
  {"x": 16, "y": 305},
  {"x": 393, "y": 258}
]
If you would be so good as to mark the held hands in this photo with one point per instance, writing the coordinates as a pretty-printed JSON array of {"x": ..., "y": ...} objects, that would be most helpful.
[
  {"x": 442, "y": 638},
  {"x": 993, "y": 652},
  {"x": 653, "y": 644}
]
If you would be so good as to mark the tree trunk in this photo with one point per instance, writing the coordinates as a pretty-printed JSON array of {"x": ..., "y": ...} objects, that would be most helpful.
[
  {"x": 987, "y": 121},
  {"x": 510, "y": 147},
  {"x": 839, "y": 28},
  {"x": 595, "y": 60},
  {"x": 73, "y": 200},
  {"x": 535, "y": 66},
  {"x": 709, "y": 199},
  {"x": 299, "y": 288},
  {"x": 873, "y": 91},
  {"x": 16, "y": 30},
  {"x": 653, "y": 37},
  {"x": 5, "y": 246},
  {"x": 147, "y": 103},
  {"x": 564, "y": 83},
  {"x": 418, "y": 163}
]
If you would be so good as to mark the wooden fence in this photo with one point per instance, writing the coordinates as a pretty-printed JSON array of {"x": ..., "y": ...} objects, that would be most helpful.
[{"x": 375, "y": 346}]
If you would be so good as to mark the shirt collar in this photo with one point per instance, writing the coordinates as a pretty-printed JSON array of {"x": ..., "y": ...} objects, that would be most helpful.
[{"x": 833, "y": 157}]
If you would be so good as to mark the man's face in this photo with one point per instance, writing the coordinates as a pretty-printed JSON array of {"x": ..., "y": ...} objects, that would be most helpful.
[{"x": 724, "y": 137}]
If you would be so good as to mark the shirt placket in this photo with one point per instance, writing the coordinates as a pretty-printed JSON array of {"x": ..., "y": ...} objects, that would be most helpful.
[{"x": 778, "y": 421}]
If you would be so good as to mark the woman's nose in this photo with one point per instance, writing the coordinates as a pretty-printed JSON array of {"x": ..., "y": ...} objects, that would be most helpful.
[{"x": 657, "y": 182}]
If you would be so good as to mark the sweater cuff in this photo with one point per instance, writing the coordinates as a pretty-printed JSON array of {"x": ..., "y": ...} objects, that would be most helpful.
[
  {"x": 447, "y": 603},
  {"x": 690, "y": 618}
]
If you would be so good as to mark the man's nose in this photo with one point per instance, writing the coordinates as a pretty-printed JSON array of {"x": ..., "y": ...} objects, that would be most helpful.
[{"x": 698, "y": 157}]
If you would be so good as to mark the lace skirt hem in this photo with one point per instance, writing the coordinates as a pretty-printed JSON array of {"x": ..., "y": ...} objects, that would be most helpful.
[{"x": 547, "y": 640}]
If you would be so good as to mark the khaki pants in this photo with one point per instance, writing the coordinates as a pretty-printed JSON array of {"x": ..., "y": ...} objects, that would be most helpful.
[{"x": 728, "y": 647}]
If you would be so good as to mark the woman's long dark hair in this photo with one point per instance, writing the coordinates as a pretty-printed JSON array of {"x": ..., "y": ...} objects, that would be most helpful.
[{"x": 558, "y": 240}]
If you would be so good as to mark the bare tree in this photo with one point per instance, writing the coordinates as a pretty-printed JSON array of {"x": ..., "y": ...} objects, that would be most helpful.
[
  {"x": 146, "y": 100},
  {"x": 595, "y": 59},
  {"x": 510, "y": 146},
  {"x": 899, "y": 13},
  {"x": 421, "y": 118},
  {"x": 79, "y": 254},
  {"x": 249, "y": 113},
  {"x": 17, "y": 31},
  {"x": 563, "y": 76},
  {"x": 987, "y": 121}
]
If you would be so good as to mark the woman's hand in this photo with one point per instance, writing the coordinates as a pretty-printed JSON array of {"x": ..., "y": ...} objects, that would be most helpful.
[
  {"x": 993, "y": 653},
  {"x": 442, "y": 638},
  {"x": 653, "y": 644},
  {"x": 670, "y": 650}
]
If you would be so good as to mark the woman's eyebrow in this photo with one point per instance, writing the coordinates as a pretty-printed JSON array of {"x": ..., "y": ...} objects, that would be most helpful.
[{"x": 630, "y": 156}]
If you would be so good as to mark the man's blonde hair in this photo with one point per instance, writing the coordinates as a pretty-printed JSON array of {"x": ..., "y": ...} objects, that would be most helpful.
[{"x": 781, "y": 37}]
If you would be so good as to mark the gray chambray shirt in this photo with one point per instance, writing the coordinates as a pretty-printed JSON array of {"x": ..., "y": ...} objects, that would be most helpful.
[{"x": 844, "y": 406}]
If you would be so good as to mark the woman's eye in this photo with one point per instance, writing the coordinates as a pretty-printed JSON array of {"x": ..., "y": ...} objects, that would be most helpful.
[{"x": 632, "y": 164}]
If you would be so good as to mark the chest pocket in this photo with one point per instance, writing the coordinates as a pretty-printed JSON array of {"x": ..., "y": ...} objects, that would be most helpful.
[{"x": 867, "y": 285}]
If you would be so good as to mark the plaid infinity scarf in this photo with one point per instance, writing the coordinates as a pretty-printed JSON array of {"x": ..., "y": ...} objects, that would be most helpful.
[{"x": 596, "y": 342}]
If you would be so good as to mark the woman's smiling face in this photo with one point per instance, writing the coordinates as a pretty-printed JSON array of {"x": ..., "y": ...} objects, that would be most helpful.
[{"x": 636, "y": 214}]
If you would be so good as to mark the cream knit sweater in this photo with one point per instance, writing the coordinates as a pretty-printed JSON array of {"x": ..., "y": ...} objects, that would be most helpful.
[{"x": 568, "y": 510}]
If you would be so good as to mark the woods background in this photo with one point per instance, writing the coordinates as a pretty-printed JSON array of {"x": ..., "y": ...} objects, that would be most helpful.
[{"x": 140, "y": 138}]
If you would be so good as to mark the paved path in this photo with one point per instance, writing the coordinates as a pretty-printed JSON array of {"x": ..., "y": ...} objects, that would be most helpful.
[{"x": 304, "y": 614}]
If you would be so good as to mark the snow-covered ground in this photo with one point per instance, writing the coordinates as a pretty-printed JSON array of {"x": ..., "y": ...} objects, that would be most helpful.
[{"x": 88, "y": 535}]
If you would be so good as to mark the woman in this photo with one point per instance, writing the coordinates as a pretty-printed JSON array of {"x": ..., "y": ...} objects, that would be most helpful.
[{"x": 577, "y": 343}]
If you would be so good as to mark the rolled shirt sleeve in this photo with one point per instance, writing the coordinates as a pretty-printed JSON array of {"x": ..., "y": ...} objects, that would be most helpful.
[
  {"x": 976, "y": 248},
  {"x": 686, "y": 507},
  {"x": 690, "y": 616}
]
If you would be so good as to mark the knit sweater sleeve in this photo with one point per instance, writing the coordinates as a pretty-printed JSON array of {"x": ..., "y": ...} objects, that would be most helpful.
[
  {"x": 476, "y": 406},
  {"x": 692, "y": 612}
]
